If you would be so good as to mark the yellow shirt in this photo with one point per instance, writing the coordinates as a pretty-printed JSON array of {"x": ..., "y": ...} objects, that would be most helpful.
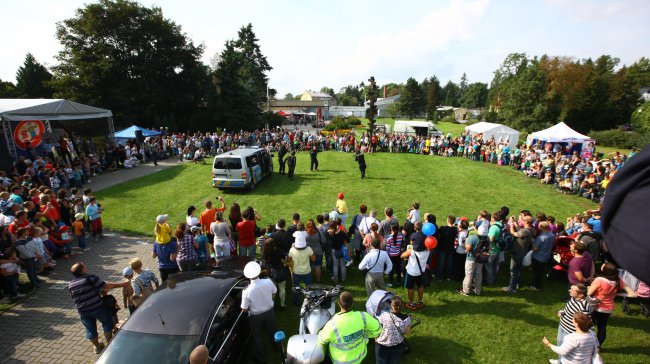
[
  {"x": 163, "y": 236},
  {"x": 341, "y": 207}
]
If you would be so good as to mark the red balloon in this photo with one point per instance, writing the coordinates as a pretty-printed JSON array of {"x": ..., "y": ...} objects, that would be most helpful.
[{"x": 430, "y": 242}]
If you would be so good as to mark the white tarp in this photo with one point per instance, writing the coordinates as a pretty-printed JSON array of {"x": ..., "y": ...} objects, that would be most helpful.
[
  {"x": 498, "y": 131},
  {"x": 48, "y": 109},
  {"x": 559, "y": 133}
]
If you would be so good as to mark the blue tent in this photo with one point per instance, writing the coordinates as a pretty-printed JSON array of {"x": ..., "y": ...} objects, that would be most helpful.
[{"x": 129, "y": 133}]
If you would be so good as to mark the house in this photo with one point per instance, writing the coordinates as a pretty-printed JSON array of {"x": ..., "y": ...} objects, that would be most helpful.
[
  {"x": 645, "y": 93},
  {"x": 318, "y": 96}
]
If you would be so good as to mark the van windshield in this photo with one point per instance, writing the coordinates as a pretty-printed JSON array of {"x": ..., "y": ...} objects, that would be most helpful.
[{"x": 227, "y": 163}]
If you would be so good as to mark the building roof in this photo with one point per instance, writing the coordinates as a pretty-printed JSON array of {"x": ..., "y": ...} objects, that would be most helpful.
[{"x": 319, "y": 94}]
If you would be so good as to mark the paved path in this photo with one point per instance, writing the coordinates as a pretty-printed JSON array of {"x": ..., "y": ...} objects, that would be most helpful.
[{"x": 45, "y": 326}]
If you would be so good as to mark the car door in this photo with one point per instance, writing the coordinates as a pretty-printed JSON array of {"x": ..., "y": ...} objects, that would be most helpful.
[{"x": 228, "y": 331}]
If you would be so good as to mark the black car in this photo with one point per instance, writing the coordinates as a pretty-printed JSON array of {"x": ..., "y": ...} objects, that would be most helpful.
[{"x": 190, "y": 308}]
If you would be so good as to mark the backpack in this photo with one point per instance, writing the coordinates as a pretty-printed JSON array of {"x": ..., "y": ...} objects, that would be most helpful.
[
  {"x": 481, "y": 251},
  {"x": 505, "y": 240}
]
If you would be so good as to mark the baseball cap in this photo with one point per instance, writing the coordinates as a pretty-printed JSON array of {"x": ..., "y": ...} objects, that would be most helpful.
[
  {"x": 161, "y": 218},
  {"x": 127, "y": 272},
  {"x": 195, "y": 229},
  {"x": 79, "y": 216},
  {"x": 252, "y": 270}
]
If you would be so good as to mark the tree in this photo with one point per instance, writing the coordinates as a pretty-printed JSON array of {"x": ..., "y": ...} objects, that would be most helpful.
[
  {"x": 411, "y": 100},
  {"x": 432, "y": 97},
  {"x": 451, "y": 94},
  {"x": 7, "y": 90},
  {"x": 641, "y": 118},
  {"x": 288, "y": 96},
  {"x": 254, "y": 64},
  {"x": 475, "y": 96},
  {"x": 32, "y": 80},
  {"x": 463, "y": 85}
]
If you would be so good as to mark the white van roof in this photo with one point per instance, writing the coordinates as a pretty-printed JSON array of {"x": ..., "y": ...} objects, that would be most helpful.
[
  {"x": 240, "y": 152},
  {"x": 413, "y": 123}
]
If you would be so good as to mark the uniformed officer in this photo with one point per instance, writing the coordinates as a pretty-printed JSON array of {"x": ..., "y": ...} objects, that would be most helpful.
[
  {"x": 257, "y": 301},
  {"x": 313, "y": 155},
  {"x": 361, "y": 160},
  {"x": 291, "y": 163},
  {"x": 348, "y": 331},
  {"x": 281, "y": 153}
]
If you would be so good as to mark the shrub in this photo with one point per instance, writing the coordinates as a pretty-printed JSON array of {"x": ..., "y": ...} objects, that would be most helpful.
[
  {"x": 449, "y": 119},
  {"x": 354, "y": 121},
  {"x": 620, "y": 139},
  {"x": 338, "y": 123}
]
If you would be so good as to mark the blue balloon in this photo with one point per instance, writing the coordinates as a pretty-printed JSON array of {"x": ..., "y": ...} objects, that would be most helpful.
[{"x": 428, "y": 229}]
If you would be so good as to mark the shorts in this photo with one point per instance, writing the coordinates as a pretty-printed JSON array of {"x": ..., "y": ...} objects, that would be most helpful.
[
  {"x": 89, "y": 320},
  {"x": 411, "y": 281},
  {"x": 318, "y": 262}
]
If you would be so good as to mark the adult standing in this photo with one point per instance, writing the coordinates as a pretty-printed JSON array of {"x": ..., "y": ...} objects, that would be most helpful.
[
  {"x": 208, "y": 215},
  {"x": 581, "y": 267},
  {"x": 604, "y": 288},
  {"x": 416, "y": 266},
  {"x": 378, "y": 263},
  {"x": 521, "y": 246},
  {"x": 493, "y": 228},
  {"x": 389, "y": 345},
  {"x": 339, "y": 240},
  {"x": 257, "y": 302},
  {"x": 384, "y": 225},
  {"x": 291, "y": 162},
  {"x": 361, "y": 160},
  {"x": 348, "y": 331},
  {"x": 84, "y": 289},
  {"x": 281, "y": 161},
  {"x": 300, "y": 258},
  {"x": 354, "y": 229},
  {"x": 186, "y": 256},
  {"x": 164, "y": 248},
  {"x": 316, "y": 241},
  {"x": 576, "y": 303},
  {"x": 313, "y": 157},
  {"x": 274, "y": 258},
  {"x": 473, "y": 269},
  {"x": 393, "y": 246},
  {"x": 447, "y": 237},
  {"x": 282, "y": 236},
  {"x": 246, "y": 233},
  {"x": 578, "y": 347},
  {"x": 221, "y": 232},
  {"x": 542, "y": 247}
]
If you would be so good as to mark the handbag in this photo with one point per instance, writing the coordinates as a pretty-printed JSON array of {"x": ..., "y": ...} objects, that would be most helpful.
[
  {"x": 280, "y": 274},
  {"x": 528, "y": 259},
  {"x": 145, "y": 292},
  {"x": 407, "y": 346}
]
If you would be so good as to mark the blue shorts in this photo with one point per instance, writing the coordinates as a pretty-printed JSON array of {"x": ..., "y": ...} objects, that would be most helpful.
[
  {"x": 318, "y": 262},
  {"x": 297, "y": 278},
  {"x": 89, "y": 320}
]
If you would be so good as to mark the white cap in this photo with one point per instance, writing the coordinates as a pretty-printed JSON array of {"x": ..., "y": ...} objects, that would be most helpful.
[
  {"x": 252, "y": 270},
  {"x": 161, "y": 218}
]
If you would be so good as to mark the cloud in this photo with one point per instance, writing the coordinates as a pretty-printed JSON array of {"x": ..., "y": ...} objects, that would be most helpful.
[{"x": 592, "y": 9}]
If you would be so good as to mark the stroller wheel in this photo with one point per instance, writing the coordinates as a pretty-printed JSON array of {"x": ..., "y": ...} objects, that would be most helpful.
[{"x": 626, "y": 306}]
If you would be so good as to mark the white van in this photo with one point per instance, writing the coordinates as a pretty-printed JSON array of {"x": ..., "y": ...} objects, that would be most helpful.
[
  {"x": 421, "y": 128},
  {"x": 241, "y": 168}
]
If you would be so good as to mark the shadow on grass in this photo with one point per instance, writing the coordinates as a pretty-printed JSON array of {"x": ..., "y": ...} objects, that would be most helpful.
[
  {"x": 509, "y": 311},
  {"x": 440, "y": 350}
]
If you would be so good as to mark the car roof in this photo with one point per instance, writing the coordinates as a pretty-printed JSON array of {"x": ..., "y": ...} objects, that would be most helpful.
[
  {"x": 241, "y": 152},
  {"x": 184, "y": 303}
]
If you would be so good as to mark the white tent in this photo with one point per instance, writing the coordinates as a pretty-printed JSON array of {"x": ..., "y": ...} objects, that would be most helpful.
[
  {"x": 559, "y": 133},
  {"x": 498, "y": 131},
  {"x": 33, "y": 114}
]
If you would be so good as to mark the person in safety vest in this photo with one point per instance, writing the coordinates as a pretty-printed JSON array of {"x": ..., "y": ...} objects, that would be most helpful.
[{"x": 348, "y": 331}]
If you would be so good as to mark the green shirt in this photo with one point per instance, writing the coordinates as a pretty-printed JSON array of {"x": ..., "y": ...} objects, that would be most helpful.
[{"x": 494, "y": 234}]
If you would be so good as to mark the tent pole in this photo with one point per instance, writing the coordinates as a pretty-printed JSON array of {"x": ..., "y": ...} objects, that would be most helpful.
[
  {"x": 9, "y": 138},
  {"x": 111, "y": 129}
]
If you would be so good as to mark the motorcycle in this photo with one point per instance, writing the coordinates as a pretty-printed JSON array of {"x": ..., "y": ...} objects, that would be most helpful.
[{"x": 318, "y": 307}]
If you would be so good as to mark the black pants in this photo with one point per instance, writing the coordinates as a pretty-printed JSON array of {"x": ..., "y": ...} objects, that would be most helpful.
[
  {"x": 539, "y": 269},
  {"x": 165, "y": 272},
  {"x": 314, "y": 164},
  {"x": 397, "y": 269},
  {"x": 600, "y": 320},
  {"x": 363, "y": 171},
  {"x": 291, "y": 170},
  {"x": 257, "y": 323},
  {"x": 282, "y": 165}
]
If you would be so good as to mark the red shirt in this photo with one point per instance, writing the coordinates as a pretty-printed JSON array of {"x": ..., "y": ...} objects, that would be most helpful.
[
  {"x": 14, "y": 226},
  {"x": 246, "y": 231}
]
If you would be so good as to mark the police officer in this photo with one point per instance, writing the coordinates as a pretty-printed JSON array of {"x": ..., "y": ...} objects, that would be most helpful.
[
  {"x": 348, "y": 331},
  {"x": 313, "y": 155},
  {"x": 361, "y": 160},
  {"x": 281, "y": 153},
  {"x": 291, "y": 162},
  {"x": 257, "y": 301}
]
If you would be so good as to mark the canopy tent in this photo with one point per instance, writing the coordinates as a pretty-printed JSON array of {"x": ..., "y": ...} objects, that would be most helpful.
[
  {"x": 561, "y": 134},
  {"x": 25, "y": 122},
  {"x": 498, "y": 131},
  {"x": 129, "y": 133},
  {"x": 284, "y": 113}
]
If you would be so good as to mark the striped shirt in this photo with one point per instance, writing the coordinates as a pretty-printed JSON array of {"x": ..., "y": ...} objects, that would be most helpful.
[
  {"x": 84, "y": 291},
  {"x": 394, "y": 246},
  {"x": 577, "y": 348},
  {"x": 571, "y": 307},
  {"x": 186, "y": 252}
]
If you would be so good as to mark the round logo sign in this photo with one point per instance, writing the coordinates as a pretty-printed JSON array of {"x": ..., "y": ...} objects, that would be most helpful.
[{"x": 29, "y": 132}]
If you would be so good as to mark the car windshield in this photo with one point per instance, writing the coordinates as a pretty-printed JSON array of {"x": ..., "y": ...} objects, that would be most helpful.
[
  {"x": 227, "y": 163},
  {"x": 135, "y": 347}
]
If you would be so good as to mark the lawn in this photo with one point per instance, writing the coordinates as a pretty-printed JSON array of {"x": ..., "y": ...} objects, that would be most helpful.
[{"x": 495, "y": 328}]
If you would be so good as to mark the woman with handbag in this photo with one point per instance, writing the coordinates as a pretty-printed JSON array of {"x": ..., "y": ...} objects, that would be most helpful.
[
  {"x": 275, "y": 259},
  {"x": 391, "y": 343}
]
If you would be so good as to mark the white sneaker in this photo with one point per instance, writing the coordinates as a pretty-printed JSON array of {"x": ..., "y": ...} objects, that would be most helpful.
[
  {"x": 554, "y": 361},
  {"x": 349, "y": 263}
]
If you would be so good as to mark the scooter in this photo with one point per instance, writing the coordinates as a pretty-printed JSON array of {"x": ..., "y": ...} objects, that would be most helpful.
[{"x": 318, "y": 307}]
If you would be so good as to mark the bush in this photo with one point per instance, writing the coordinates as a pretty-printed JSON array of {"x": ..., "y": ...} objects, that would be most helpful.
[
  {"x": 620, "y": 139},
  {"x": 449, "y": 119},
  {"x": 338, "y": 123},
  {"x": 354, "y": 121}
]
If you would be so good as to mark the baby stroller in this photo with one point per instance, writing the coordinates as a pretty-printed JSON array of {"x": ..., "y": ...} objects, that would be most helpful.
[
  {"x": 642, "y": 290},
  {"x": 379, "y": 302},
  {"x": 562, "y": 255}
]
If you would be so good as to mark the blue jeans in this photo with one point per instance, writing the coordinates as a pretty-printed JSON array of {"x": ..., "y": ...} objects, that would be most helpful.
[
  {"x": 561, "y": 334},
  {"x": 388, "y": 354},
  {"x": 492, "y": 268},
  {"x": 297, "y": 278},
  {"x": 89, "y": 320},
  {"x": 515, "y": 271},
  {"x": 247, "y": 251},
  {"x": 444, "y": 265},
  {"x": 30, "y": 268},
  {"x": 81, "y": 240}
]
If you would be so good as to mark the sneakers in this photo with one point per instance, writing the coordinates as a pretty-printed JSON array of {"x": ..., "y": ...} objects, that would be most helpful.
[
  {"x": 460, "y": 290},
  {"x": 554, "y": 361},
  {"x": 420, "y": 304},
  {"x": 508, "y": 289},
  {"x": 99, "y": 349},
  {"x": 349, "y": 263},
  {"x": 411, "y": 306},
  {"x": 477, "y": 293},
  {"x": 532, "y": 288}
]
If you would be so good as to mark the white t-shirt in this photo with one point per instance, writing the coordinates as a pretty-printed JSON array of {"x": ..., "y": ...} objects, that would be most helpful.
[
  {"x": 412, "y": 265},
  {"x": 414, "y": 216},
  {"x": 10, "y": 267},
  {"x": 301, "y": 237},
  {"x": 366, "y": 223},
  {"x": 192, "y": 221},
  {"x": 258, "y": 296},
  {"x": 483, "y": 228}
]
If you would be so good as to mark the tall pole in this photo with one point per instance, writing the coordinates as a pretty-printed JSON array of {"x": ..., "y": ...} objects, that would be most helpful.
[{"x": 372, "y": 111}]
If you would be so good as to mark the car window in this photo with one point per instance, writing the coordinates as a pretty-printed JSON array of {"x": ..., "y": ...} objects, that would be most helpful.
[
  {"x": 134, "y": 347},
  {"x": 253, "y": 160},
  {"x": 227, "y": 163},
  {"x": 225, "y": 319}
]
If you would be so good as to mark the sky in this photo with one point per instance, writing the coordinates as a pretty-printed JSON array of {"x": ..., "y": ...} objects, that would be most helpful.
[{"x": 312, "y": 44}]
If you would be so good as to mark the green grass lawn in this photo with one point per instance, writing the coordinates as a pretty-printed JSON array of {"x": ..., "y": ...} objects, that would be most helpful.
[{"x": 495, "y": 328}]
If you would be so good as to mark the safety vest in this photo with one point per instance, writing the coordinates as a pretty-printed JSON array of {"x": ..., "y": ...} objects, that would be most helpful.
[{"x": 347, "y": 335}]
